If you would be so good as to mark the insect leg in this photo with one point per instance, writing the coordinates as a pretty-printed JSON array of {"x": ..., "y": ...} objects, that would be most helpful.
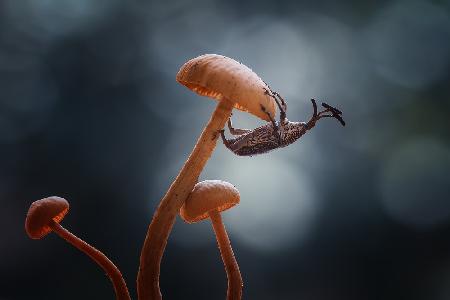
[
  {"x": 314, "y": 108},
  {"x": 236, "y": 131},
  {"x": 270, "y": 117},
  {"x": 312, "y": 121},
  {"x": 333, "y": 109},
  {"x": 225, "y": 141},
  {"x": 277, "y": 99},
  {"x": 274, "y": 124},
  {"x": 236, "y": 144},
  {"x": 283, "y": 106},
  {"x": 335, "y": 113}
]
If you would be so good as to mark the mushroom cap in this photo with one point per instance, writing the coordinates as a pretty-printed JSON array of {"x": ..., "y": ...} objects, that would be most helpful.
[
  {"x": 41, "y": 212},
  {"x": 206, "y": 196},
  {"x": 219, "y": 77}
]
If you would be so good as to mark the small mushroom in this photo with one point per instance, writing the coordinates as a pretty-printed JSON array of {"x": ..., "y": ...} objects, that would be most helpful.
[
  {"x": 233, "y": 85},
  {"x": 44, "y": 216},
  {"x": 207, "y": 200}
]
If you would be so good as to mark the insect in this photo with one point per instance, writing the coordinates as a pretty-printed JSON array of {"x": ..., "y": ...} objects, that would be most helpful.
[{"x": 275, "y": 134}]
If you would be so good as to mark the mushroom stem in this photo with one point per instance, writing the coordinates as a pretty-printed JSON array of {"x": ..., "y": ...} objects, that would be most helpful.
[
  {"x": 234, "y": 291},
  {"x": 169, "y": 207},
  {"x": 111, "y": 270}
]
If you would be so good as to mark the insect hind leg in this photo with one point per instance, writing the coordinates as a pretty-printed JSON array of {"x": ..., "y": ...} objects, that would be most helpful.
[
  {"x": 226, "y": 142},
  {"x": 335, "y": 113},
  {"x": 233, "y": 144},
  {"x": 236, "y": 131}
]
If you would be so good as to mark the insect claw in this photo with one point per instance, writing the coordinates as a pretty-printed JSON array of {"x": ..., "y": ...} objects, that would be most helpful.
[
  {"x": 263, "y": 108},
  {"x": 336, "y": 113},
  {"x": 268, "y": 86},
  {"x": 216, "y": 134},
  {"x": 267, "y": 91},
  {"x": 334, "y": 109}
]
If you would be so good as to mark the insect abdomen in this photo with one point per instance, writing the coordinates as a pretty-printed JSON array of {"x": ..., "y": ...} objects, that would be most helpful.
[
  {"x": 256, "y": 149},
  {"x": 259, "y": 141}
]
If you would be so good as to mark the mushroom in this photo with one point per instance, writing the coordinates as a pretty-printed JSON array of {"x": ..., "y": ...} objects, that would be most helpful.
[
  {"x": 233, "y": 85},
  {"x": 44, "y": 216},
  {"x": 207, "y": 200}
]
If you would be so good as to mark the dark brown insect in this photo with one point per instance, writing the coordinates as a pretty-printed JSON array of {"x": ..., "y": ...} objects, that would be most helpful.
[{"x": 275, "y": 134}]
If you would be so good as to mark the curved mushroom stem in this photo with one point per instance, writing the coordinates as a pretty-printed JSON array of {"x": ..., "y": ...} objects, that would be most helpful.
[
  {"x": 231, "y": 266},
  {"x": 169, "y": 207},
  {"x": 111, "y": 270}
]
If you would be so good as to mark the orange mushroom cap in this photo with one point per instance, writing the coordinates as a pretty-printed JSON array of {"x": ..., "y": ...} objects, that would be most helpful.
[
  {"x": 41, "y": 212},
  {"x": 206, "y": 196},
  {"x": 218, "y": 77}
]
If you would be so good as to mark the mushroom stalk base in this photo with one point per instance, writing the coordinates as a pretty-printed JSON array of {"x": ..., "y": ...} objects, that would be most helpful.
[
  {"x": 169, "y": 207},
  {"x": 231, "y": 266},
  {"x": 110, "y": 269}
]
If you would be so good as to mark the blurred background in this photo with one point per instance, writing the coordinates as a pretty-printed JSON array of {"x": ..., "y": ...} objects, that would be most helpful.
[{"x": 90, "y": 111}]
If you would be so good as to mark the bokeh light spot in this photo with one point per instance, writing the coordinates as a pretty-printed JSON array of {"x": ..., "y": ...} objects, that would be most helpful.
[
  {"x": 277, "y": 205},
  {"x": 409, "y": 43}
]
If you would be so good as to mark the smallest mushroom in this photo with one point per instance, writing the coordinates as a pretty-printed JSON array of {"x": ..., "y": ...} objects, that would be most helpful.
[
  {"x": 44, "y": 216},
  {"x": 208, "y": 199}
]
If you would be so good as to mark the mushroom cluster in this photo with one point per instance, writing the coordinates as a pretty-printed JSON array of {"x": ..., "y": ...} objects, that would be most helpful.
[{"x": 233, "y": 85}]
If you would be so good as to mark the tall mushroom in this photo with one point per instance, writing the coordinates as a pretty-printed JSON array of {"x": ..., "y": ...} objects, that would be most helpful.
[
  {"x": 207, "y": 200},
  {"x": 44, "y": 216},
  {"x": 235, "y": 86}
]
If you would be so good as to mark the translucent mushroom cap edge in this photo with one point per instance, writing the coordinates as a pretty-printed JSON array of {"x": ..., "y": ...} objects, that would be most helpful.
[
  {"x": 218, "y": 77},
  {"x": 41, "y": 212},
  {"x": 206, "y": 196}
]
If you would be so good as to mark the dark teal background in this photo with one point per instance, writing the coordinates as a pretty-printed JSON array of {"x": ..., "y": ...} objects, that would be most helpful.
[{"x": 90, "y": 111}]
